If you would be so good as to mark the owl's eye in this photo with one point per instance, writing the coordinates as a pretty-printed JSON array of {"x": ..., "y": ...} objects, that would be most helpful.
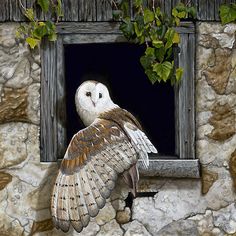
[
  {"x": 88, "y": 94},
  {"x": 100, "y": 95}
]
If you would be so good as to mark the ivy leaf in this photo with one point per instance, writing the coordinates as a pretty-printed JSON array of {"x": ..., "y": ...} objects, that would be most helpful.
[
  {"x": 176, "y": 38},
  {"x": 138, "y": 3},
  {"x": 51, "y": 28},
  {"x": 57, "y": 8},
  {"x": 44, "y": 4},
  {"x": 177, "y": 21},
  {"x": 137, "y": 29},
  {"x": 157, "y": 43},
  {"x": 127, "y": 27},
  {"x": 169, "y": 35},
  {"x": 29, "y": 13},
  {"x": 40, "y": 31},
  {"x": 116, "y": 14},
  {"x": 180, "y": 7},
  {"x": 148, "y": 16},
  {"x": 52, "y": 37},
  {"x": 192, "y": 12},
  {"x": 152, "y": 76},
  {"x": 160, "y": 54},
  {"x": 228, "y": 13},
  {"x": 163, "y": 70},
  {"x": 178, "y": 73},
  {"x": 150, "y": 51},
  {"x": 182, "y": 14},
  {"x": 32, "y": 42},
  {"x": 146, "y": 61},
  {"x": 158, "y": 12},
  {"x": 174, "y": 12}
]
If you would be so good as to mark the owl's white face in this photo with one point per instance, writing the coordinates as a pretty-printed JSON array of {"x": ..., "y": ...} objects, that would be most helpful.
[{"x": 91, "y": 99}]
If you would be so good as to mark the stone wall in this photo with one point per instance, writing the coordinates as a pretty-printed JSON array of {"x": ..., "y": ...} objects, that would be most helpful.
[{"x": 169, "y": 206}]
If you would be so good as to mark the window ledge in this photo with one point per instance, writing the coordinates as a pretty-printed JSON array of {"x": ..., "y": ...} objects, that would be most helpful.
[{"x": 175, "y": 168}]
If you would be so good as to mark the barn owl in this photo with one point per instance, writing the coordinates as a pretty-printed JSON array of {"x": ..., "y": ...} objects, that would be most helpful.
[{"x": 109, "y": 146}]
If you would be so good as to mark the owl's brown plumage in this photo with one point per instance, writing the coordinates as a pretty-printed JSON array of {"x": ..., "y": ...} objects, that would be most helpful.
[{"x": 94, "y": 159}]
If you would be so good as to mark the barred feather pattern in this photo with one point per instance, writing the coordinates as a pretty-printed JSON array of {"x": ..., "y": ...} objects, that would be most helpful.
[{"x": 95, "y": 157}]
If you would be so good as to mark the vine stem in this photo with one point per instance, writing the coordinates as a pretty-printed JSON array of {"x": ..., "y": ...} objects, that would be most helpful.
[
  {"x": 153, "y": 5},
  {"x": 21, "y": 4},
  {"x": 114, "y": 3}
]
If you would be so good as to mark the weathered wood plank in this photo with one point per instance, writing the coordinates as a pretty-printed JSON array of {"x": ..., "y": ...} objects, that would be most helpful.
[
  {"x": 94, "y": 38},
  {"x": 217, "y": 7},
  {"x": 60, "y": 100},
  {"x": 107, "y": 28},
  {"x": 168, "y": 6},
  {"x": 103, "y": 10},
  {"x": 172, "y": 168},
  {"x": 87, "y": 10},
  {"x": 191, "y": 95},
  {"x": 185, "y": 97},
  {"x": 15, "y": 10},
  {"x": 70, "y": 10},
  {"x": 210, "y": 10},
  {"x": 4, "y": 11},
  {"x": 48, "y": 130},
  {"x": 202, "y": 10}
]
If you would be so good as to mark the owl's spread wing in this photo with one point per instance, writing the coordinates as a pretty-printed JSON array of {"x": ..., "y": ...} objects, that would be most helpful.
[{"x": 94, "y": 158}]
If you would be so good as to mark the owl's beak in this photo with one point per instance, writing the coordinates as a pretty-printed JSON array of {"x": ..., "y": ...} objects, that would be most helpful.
[{"x": 94, "y": 104}]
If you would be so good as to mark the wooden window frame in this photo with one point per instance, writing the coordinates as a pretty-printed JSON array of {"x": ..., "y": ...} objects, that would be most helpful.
[{"x": 53, "y": 107}]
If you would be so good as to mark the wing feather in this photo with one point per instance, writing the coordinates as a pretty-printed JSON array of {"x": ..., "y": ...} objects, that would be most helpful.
[
  {"x": 100, "y": 200},
  {"x": 87, "y": 193},
  {"x": 62, "y": 205},
  {"x": 82, "y": 209},
  {"x": 94, "y": 158},
  {"x": 141, "y": 143},
  {"x": 105, "y": 192}
]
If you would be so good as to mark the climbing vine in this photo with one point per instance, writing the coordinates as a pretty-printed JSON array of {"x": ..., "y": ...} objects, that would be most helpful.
[
  {"x": 155, "y": 29},
  {"x": 228, "y": 13},
  {"x": 34, "y": 31}
]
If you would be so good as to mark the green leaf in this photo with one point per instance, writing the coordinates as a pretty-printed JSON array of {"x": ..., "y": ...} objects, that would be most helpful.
[
  {"x": 146, "y": 61},
  {"x": 174, "y": 12},
  {"x": 127, "y": 27},
  {"x": 32, "y": 42},
  {"x": 29, "y": 13},
  {"x": 158, "y": 12},
  {"x": 116, "y": 14},
  {"x": 138, "y": 31},
  {"x": 148, "y": 16},
  {"x": 138, "y": 3},
  {"x": 40, "y": 31},
  {"x": 192, "y": 12},
  {"x": 152, "y": 76},
  {"x": 169, "y": 53},
  {"x": 124, "y": 7},
  {"x": 169, "y": 35},
  {"x": 160, "y": 54},
  {"x": 176, "y": 38},
  {"x": 44, "y": 4},
  {"x": 52, "y": 37},
  {"x": 177, "y": 21},
  {"x": 182, "y": 14},
  {"x": 150, "y": 51},
  {"x": 157, "y": 43},
  {"x": 180, "y": 7},
  {"x": 178, "y": 73},
  {"x": 228, "y": 13},
  {"x": 58, "y": 8},
  {"x": 163, "y": 70}
]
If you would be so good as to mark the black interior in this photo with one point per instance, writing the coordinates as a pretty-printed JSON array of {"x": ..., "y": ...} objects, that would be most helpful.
[{"x": 117, "y": 65}]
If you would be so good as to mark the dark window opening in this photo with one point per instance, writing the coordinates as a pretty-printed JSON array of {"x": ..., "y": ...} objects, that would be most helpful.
[{"x": 117, "y": 65}]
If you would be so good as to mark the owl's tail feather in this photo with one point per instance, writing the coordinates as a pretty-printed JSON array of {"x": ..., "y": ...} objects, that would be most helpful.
[{"x": 131, "y": 178}]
